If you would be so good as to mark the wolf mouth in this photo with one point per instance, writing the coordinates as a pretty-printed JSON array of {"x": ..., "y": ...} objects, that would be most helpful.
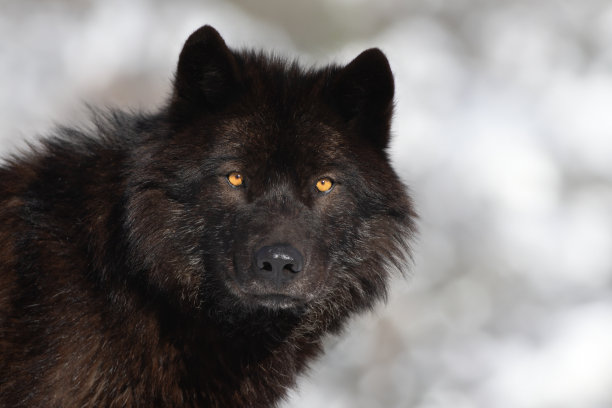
[
  {"x": 269, "y": 297},
  {"x": 277, "y": 301}
]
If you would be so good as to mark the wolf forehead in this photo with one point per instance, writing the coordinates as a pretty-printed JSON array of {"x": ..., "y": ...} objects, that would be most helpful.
[
  {"x": 262, "y": 98},
  {"x": 263, "y": 138},
  {"x": 276, "y": 105}
]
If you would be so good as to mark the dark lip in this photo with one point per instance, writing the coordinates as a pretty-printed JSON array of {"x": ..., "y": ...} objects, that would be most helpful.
[
  {"x": 273, "y": 300},
  {"x": 270, "y": 300}
]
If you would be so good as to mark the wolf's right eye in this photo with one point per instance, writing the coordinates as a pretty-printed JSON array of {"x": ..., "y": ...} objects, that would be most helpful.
[{"x": 235, "y": 179}]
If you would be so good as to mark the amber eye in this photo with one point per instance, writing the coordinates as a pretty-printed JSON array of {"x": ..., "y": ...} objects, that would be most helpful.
[
  {"x": 235, "y": 179},
  {"x": 324, "y": 184}
]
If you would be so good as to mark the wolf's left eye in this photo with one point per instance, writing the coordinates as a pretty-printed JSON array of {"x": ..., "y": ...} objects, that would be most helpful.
[
  {"x": 235, "y": 179},
  {"x": 324, "y": 184}
]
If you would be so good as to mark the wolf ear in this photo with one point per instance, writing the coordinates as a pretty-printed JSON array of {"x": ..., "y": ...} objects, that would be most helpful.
[
  {"x": 363, "y": 92},
  {"x": 207, "y": 72}
]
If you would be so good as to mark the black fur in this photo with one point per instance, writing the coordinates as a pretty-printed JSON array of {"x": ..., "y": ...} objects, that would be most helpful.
[{"x": 126, "y": 257}]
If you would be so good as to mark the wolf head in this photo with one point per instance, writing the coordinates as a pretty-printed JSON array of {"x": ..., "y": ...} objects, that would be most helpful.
[{"x": 268, "y": 186}]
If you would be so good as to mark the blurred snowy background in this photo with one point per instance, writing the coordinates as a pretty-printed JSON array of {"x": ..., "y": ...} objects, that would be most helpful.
[{"x": 503, "y": 131}]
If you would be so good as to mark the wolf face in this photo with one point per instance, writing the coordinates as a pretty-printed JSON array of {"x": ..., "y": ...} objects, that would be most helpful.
[{"x": 271, "y": 186}]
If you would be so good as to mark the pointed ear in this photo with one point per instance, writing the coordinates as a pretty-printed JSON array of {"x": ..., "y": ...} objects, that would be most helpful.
[
  {"x": 363, "y": 94},
  {"x": 207, "y": 72}
]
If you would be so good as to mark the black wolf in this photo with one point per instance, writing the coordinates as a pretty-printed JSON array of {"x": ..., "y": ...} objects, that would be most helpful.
[{"x": 194, "y": 257}]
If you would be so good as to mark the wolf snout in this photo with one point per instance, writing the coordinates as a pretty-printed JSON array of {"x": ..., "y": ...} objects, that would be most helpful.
[{"x": 279, "y": 263}]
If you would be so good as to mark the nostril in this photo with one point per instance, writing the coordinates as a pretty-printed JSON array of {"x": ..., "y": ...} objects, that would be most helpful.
[{"x": 267, "y": 266}]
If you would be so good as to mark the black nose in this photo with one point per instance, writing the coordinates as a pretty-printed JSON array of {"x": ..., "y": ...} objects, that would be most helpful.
[{"x": 280, "y": 263}]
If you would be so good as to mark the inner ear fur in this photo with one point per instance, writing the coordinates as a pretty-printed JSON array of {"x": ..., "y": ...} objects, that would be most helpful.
[
  {"x": 363, "y": 93},
  {"x": 207, "y": 72}
]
